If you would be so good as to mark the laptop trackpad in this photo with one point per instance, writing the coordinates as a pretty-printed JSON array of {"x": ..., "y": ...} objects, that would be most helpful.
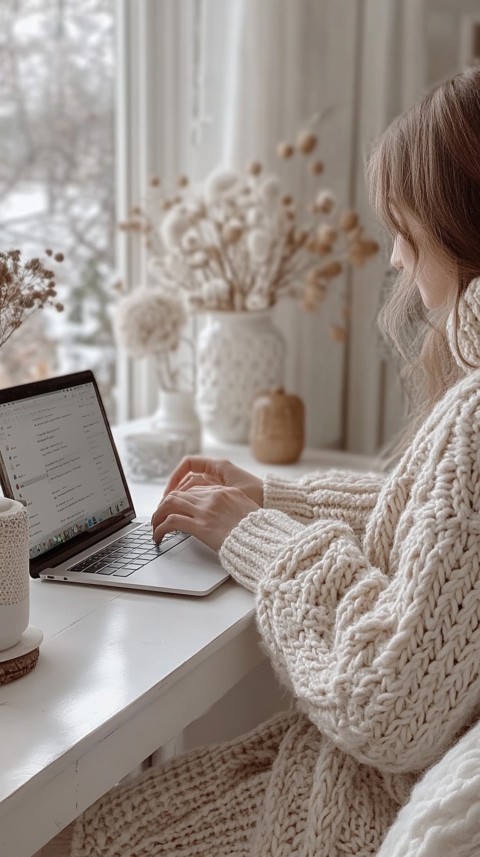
[
  {"x": 192, "y": 550},
  {"x": 189, "y": 568}
]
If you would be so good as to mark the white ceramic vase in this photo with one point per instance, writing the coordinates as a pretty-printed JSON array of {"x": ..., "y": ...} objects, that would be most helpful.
[
  {"x": 239, "y": 354},
  {"x": 174, "y": 432},
  {"x": 14, "y": 573},
  {"x": 176, "y": 418}
]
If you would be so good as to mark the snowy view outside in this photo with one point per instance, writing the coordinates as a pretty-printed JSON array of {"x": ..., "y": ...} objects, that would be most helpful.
[{"x": 57, "y": 178}]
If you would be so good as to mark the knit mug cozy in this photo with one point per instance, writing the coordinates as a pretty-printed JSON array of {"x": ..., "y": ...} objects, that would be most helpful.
[
  {"x": 463, "y": 328},
  {"x": 14, "y": 574}
]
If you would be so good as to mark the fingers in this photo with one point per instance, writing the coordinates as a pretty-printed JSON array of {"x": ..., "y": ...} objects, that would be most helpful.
[
  {"x": 174, "y": 513},
  {"x": 208, "y": 512},
  {"x": 194, "y": 480},
  {"x": 189, "y": 482},
  {"x": 191, "y": 464},
  {"x": 171, "y": 523}
]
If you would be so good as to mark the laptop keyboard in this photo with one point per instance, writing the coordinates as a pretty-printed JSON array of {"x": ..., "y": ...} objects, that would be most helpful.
[{"x": 129, "y": 553}]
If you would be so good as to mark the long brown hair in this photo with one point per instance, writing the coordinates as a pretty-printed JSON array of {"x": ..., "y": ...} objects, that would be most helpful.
[{"x": 427, "y": 165}]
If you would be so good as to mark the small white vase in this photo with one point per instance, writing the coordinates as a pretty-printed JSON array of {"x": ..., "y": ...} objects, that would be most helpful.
[
  {"x": 14, "y": 573},
  {"x": 176, "y": 417},
  {"x": 239, "y": 354}
]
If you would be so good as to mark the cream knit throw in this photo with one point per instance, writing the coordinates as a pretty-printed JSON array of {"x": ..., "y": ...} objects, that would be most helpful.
[{"x": 368, "y": 602}]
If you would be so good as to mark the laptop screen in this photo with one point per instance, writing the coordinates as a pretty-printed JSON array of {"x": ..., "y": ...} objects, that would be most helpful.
[{"x": 57, "y": 457}]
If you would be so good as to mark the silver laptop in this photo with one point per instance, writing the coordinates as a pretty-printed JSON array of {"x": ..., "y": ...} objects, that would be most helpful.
[{"x": 58, "y": 458}]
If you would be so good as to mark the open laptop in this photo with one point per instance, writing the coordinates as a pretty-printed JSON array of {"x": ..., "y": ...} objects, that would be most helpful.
[{"x": 58, "y": 458}]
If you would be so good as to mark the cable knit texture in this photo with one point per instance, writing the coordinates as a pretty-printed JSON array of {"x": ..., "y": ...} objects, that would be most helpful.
[
  {"x": 442, "y": 817},
  {"x": 466, "y": 350},
  {"x": 368, "y": 601}
]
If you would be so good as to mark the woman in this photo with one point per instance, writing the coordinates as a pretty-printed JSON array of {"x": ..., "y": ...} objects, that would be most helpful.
[{"x": 367, "y": 587}]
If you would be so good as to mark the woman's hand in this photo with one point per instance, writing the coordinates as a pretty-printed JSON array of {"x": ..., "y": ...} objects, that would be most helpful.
[
  {"x": 208, "y": 512},
  {"x": 196, "y": 472}
]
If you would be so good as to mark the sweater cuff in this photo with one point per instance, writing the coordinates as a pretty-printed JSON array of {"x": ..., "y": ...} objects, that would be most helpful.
[
  {"x": 333, "y": 494},
  {"x": 286, "y": 496},
  {"x": 254, "y": 544}
]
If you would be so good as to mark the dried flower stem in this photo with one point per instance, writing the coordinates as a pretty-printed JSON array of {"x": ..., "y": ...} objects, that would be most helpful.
[{"x": 24, "y": 288}]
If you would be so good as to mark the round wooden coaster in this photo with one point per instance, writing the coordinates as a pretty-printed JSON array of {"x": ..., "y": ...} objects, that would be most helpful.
[
  {"x": 20, "y": 659},
  {"x": 18, "y": 667}
]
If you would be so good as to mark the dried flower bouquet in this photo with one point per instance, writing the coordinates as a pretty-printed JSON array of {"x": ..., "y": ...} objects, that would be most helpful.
[
  {"x": 24, "y": 288},
  {"x": 240, "y": 242}
]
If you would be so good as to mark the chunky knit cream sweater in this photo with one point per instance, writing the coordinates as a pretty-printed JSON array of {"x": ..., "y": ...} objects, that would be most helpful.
[{"x": 368, "y": 602}]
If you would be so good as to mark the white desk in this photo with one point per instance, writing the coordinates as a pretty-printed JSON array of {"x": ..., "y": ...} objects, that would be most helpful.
[{"x": 119, "y": 675}]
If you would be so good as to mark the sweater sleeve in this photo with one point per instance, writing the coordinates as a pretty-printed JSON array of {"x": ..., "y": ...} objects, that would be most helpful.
[
  {"x": 345, "y": 495},
  {"x": 384, "y": 661}
]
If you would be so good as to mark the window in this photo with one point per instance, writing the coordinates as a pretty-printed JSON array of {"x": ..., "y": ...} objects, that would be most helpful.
[{"x": 57, "y": 82}]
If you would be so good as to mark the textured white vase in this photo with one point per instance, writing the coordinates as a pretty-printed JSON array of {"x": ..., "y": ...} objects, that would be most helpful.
[
  {"x": 14, "y": 574},
  {"x": 238, "y": 355}
]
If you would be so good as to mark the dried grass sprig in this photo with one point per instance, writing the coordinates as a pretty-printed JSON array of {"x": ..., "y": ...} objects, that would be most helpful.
[{"x": 25, "y": 286}]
